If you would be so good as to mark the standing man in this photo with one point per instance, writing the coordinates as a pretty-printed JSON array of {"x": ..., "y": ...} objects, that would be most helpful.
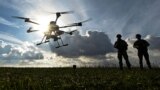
[
  {"x": 121, "y": 45},
  {"x": 142, "y": 47}
]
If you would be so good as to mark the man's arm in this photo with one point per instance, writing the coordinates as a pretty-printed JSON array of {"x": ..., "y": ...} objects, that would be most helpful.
[
  {"x": 147, "y": 44},
  {"x": 126, "y": 43},
  {"x": 135, "y": 45},
  {"x": 115, "y": 45}
]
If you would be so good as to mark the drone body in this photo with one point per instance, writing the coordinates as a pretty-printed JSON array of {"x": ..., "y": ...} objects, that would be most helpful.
[{"x": 53, "y": 31}]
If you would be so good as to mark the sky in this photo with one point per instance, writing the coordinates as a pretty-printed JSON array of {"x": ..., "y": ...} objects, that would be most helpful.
[{"x": 92, "y": 45}]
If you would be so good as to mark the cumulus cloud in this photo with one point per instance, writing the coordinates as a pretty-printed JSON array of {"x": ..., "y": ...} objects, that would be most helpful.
[
  {"x": 154, "y": 42},
  {"x": 29, "y": 56},
  {"x": 95, "y": 43},
  {"x": 26, "y": 51},
  {"x": 107, "y": 60}
]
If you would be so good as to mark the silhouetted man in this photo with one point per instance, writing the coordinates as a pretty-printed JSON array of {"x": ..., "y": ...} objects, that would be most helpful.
[
  {"x": 142, "y": 47},
  {"x": 121, "y": 45}
]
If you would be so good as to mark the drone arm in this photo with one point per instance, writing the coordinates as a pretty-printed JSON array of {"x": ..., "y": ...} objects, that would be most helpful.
[
  {"x": 72, "y": 25},
  {"x": 71, "y": 32},
  {"x": 29, "y": 31},
  {"x": 76, "y": 24},
  {"x": 33, "y": 22},
  {"x": 58, "y": 14},
  {"x": 19, "y": 17},
  {"x": 42, "y": 40}
]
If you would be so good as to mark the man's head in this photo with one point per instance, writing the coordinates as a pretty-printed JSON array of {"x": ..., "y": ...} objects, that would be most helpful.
[
  {"x": 119, "y": 36},
  {"x": 138, "y": 36}
]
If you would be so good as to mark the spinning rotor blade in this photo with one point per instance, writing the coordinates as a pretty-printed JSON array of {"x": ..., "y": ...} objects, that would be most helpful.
[
  {"x": 30, "y": 30},
  {"x": 20, "y": 17},
  {"x": 71, "y": 32},
  {"x": 86, "y": 20},
  {"x": 76, "y": 24},
  {"x": 58, "y": 14},
  {"x": 25, "y": 19},
  {"x": 66, "y": 12}
]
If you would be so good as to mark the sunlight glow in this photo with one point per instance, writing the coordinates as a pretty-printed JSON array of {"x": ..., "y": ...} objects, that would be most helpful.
[{"x": 44, "y": 21}]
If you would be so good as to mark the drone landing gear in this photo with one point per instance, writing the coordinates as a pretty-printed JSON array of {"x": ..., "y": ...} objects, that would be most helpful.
[
  {"x": 58, "y": 46},
  {"x": 61, "y": 42},
  {"x": 65, "y": 45},
  {"x": 46, "y": 41},
  {"x": 61, "y": 46},
  {"x": 38, "y": 44},
  {"x": 41, "y": 41}
]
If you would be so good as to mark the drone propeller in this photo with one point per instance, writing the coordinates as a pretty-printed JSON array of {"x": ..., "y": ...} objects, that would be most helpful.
[
  {"x": 30, "y": 30},
  {"x": 66, "y": 12},
  {"x": 58, "y": 14},
  {"x": 76, "y": 24},
  {"x": 25, "y": 19},
  {"x": 20, "y": 17},
  {"x": 86, "y": 20},
  {"x": 80, "y": 23},
  {"x": 71, "y": 32}
]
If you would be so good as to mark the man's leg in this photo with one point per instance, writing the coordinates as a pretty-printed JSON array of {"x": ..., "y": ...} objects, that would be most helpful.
[
  {"x": 140, "y": 56},
  {"x": 120, "y": 60},
  {"x": 146, "y": 55},
  {"x": 125, "y": 55}
]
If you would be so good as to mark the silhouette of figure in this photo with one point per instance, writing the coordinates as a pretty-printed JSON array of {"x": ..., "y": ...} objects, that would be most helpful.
[
  {"x": 142, "y": 47},
  {"x": 121, "y": 45}
]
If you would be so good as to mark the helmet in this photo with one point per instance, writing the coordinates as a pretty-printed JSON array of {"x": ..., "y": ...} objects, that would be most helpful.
[
  {"x": 138, "y": 36},
  {"x": 119, "y": 35}
]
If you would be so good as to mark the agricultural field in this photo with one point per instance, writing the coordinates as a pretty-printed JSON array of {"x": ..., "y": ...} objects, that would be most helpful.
[{"x": 79, "y": 79}]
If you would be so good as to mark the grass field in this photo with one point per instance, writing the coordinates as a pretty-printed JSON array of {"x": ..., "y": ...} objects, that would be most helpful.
[{"x": 79, "y": 79}]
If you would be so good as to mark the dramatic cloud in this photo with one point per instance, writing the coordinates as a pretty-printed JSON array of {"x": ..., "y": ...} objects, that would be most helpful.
[
  {"x": 95, "y": 43},
  {"x": 154, "y": 42},
  {"x": 29, "y": 56},
  {"x": 26, "y": 51}
]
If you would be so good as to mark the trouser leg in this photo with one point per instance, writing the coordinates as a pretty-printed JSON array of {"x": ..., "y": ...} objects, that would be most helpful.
[
  {"x": 146, "y": 55},
  {"x": 140, "y": 55},
  {"x": 127, "y": 60},
  {"x": 120, "y": 60}
]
